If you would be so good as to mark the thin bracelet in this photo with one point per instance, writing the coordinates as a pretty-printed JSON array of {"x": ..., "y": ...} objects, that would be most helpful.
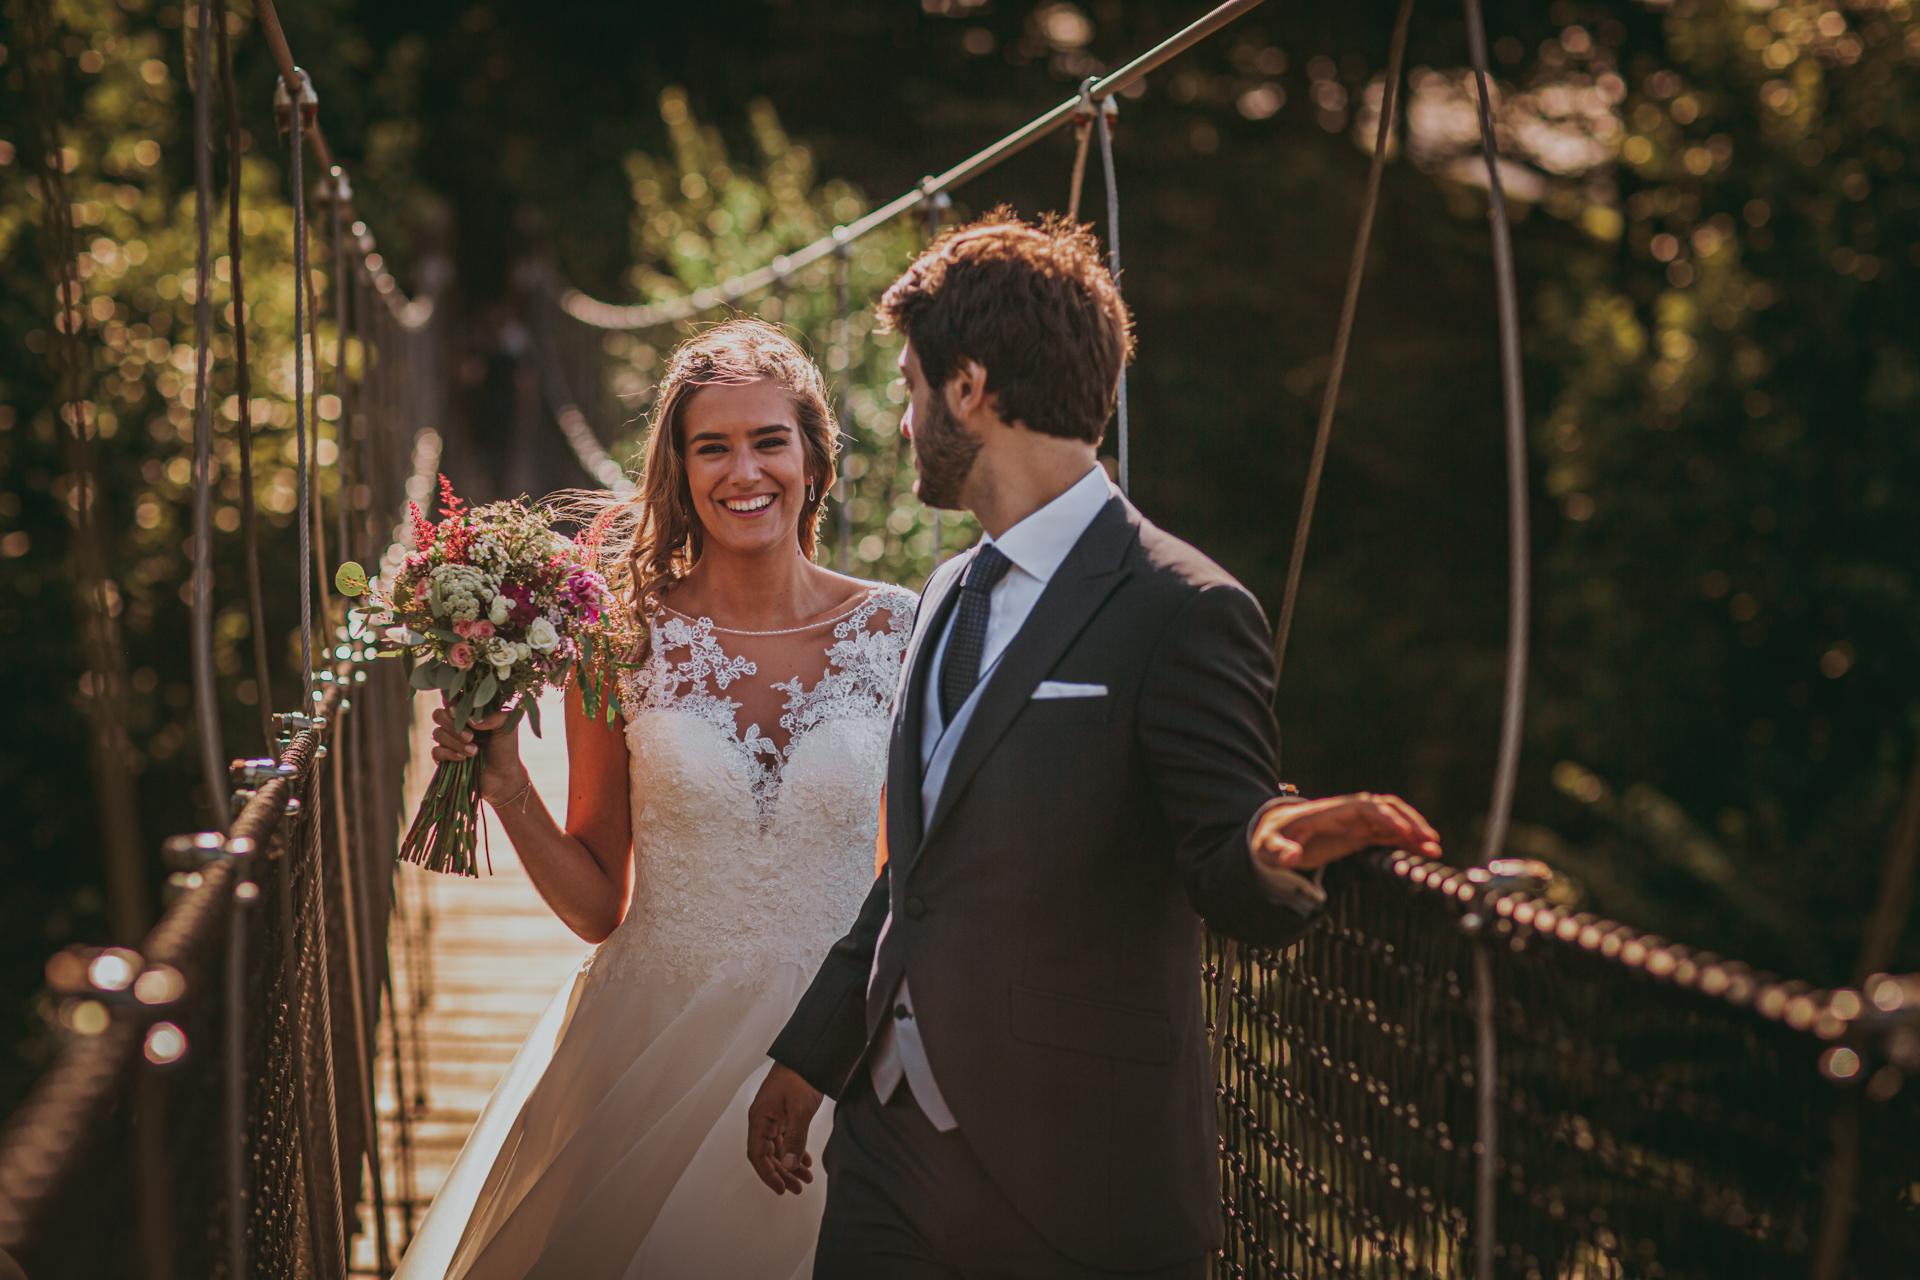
[{"x": 520, "y": 795}]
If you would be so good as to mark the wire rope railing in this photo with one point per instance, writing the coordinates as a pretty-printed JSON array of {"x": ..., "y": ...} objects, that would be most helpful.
[
  {"x": 1662, "y": 1112},
  {"x": 1458, "y": 1071},
  {"x": 211, "y": 1108}
]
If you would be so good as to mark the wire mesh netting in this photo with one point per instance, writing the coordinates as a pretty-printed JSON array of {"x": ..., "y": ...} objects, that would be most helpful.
[{"x": 1660, "y": 1113}]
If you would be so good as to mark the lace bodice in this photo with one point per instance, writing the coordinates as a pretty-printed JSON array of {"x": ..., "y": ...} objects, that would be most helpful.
[{"x": 754, "y": 843}]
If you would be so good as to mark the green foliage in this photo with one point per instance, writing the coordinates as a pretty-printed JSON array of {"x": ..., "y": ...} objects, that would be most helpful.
[
  {"x": 125, "y": 125},
  {"x": 1728, "y": 612},
  {"x": 699, "y": 221}
]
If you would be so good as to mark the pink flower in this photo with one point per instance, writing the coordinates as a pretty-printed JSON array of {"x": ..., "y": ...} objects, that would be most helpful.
[
  {"x": 461, "y": 656},
  {"x": 478, "y": 629}
]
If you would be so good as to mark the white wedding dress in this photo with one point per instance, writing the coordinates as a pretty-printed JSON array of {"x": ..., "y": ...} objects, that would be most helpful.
[{"x": 614, "y": 1148}]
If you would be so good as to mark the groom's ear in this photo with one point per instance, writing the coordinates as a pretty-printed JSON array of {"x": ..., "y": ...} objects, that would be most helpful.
[{"x": 966, "y": 392}]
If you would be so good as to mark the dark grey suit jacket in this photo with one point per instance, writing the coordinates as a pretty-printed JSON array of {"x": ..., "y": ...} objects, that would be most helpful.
[{"x": 1051, "y": 916}]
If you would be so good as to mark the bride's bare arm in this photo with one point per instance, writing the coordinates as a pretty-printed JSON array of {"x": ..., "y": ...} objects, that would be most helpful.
[{"x": 584, "y": 871}]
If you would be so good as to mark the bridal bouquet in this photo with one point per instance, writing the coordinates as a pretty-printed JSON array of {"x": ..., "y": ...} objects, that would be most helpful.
[{"x": 491, "y": 608}]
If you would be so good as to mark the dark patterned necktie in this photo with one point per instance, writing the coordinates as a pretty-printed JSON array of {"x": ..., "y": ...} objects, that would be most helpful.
[{"x": 961, "y": 670}]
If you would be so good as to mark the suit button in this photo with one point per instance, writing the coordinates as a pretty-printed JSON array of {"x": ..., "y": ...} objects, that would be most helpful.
[
  {"x": 900, "y": 1012},
  {"x": 915, "y": 908}
]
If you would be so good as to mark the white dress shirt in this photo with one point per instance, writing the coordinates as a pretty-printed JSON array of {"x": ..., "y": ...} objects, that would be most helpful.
[{"x": 1037, "y": 546}]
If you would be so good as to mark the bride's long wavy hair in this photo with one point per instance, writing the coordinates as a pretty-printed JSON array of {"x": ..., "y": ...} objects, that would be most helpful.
[{"x": 654, "y": 538}]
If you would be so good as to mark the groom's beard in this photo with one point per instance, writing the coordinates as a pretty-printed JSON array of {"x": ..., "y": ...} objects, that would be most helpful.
[{"x": 943, "y": 454}]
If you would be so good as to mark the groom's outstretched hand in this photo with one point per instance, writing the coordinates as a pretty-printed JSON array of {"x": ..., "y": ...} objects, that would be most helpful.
[
  {"x": 777, "y": 1124},
  {"x": 1304, "y": 837}
]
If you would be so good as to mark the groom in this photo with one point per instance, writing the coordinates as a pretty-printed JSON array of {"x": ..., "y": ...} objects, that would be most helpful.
[{"x": 1081, "y": 772}]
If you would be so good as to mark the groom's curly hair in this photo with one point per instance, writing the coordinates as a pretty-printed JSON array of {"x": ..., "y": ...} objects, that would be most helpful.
[{"x": 1034, "y": 305}]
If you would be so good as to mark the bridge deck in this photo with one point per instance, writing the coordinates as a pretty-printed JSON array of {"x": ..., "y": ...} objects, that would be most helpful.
[{"x": 480, "y": 959}]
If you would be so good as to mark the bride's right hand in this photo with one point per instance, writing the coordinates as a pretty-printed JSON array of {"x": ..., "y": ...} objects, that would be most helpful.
[{"x": 503, "y": 775}]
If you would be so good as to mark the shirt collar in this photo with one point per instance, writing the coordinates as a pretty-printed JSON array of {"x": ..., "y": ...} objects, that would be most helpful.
[{"x": 1040, "y": 543}]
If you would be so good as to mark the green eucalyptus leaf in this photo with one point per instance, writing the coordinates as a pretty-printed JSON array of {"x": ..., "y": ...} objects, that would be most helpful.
[
  {"x": 463, "y": 711},
  {"x": 483, "y": 696},
  {"x": 350, "y": 579},
  {"x": 532, "y": 706},
  {"x": 423, "y": 676}
]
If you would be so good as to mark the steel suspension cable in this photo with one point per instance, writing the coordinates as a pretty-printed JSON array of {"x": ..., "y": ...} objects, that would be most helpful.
[
  {"x": 1113, "y": 259},
  {"x": 243, "y": 377},
  {"x": 1082, "y": 134},
  {"x": 338, "y": 194},
  {"x": 206, "y": 692},
  {"x": 1349, "y": 306},
  {"x": 567, "y": 414},
  {"x": 1513, "y": 393},
  {"x": 313, "y": 915},
  {"x": 606, "y": 315},
  {"x": 843, "y": 514},
  {"x": 234, "y": 1085},
  {"x": 932, "y": 204},
  {"x": 1513, "y": 695},
  {"x": 319, "y": 917},
  {"x": 297, "y": 95},
  {"x": 346, "y": 838}
]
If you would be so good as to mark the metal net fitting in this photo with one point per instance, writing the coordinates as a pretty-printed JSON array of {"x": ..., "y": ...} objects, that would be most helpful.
[
  {"x": 283, "y": 103},
  {"x": 1089, "y": 107},
  {"x": 292, "y": 723},
  {"x": 255, "y": 773},
  {"x": 934, "y": 204},
  {"x": 187, "y": 857}
]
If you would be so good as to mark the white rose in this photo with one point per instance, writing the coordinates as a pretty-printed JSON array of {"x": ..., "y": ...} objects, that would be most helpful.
[
  {"x": 541, "y": 636},
  {"x": 497, "y": 614}
]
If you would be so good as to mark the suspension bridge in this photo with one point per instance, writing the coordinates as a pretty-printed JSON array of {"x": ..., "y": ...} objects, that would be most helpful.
[{"x": 1461, "y": 1072}]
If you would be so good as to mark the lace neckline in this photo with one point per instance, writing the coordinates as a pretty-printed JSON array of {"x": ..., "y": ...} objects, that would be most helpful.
[
  {"x": 711, "y": 625},
  {"x": 862, "y": 670}
]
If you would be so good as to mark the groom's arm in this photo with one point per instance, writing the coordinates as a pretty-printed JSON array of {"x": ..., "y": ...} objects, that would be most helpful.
[
  {"x": 1208, "y": 734},
  {"x": 827, "y": 1034}
]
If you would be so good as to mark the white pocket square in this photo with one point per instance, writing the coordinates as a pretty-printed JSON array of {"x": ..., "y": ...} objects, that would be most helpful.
[{"x": 1064, "y": 689}]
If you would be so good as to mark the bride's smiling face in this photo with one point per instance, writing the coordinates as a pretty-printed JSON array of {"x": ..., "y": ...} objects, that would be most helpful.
[{"x": 746, "y": 470}]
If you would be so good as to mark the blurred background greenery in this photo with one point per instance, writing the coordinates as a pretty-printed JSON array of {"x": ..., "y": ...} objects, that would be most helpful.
[{"x": 1717, "y": 207}]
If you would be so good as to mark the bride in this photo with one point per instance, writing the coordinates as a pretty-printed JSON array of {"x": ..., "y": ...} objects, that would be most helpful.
[{"x": 716, "y": 842}]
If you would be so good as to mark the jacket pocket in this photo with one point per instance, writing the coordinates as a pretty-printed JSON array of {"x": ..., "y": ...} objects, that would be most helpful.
[
  {"x": 1061, "y": 713},
  {"x": 1090, "y": 1026}
]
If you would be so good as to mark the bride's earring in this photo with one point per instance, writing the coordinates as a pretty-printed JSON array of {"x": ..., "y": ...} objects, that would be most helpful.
[{"x": 809, "y": 491}]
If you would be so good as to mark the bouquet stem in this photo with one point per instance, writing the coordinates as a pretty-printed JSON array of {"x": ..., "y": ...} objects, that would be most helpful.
[{"x": 445, "y": 835}]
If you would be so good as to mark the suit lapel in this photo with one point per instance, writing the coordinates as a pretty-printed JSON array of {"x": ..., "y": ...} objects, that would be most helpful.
[
  {"x": 904, "y": 818},
  {"x": 1089, "y": 574}
]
